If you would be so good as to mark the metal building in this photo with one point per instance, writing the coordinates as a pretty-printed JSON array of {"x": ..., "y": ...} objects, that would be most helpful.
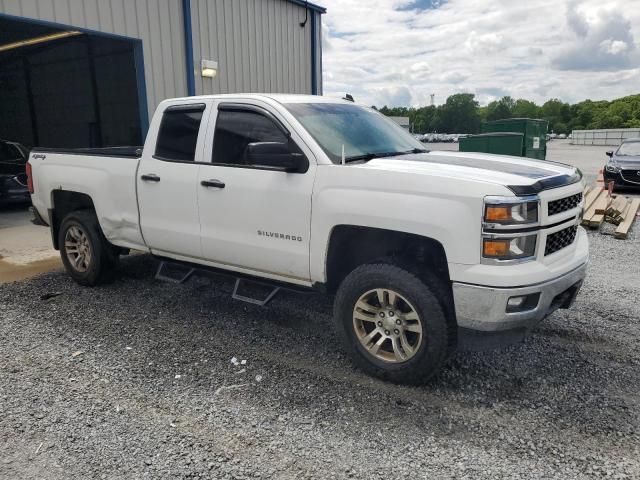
[{"x": 77, "y": 73}]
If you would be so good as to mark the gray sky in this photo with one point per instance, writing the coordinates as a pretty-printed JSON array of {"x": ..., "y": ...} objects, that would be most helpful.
[{"x": 398, "y": 52}]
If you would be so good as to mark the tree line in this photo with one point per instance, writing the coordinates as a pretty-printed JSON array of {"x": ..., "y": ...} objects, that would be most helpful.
[{"x": 462, "y": 113}]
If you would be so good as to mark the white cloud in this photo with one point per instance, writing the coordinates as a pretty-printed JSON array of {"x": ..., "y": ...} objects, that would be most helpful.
[
  {"x": 603, "y": 40},
  {"x": 398, "y": 52},
  {"x": 477, "y": 43},
  {"x": 614, "y": 47},
  {"x": 454, "y": 77}
]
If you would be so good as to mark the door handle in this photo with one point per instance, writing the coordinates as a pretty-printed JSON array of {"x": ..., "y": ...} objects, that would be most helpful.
[
  {"x": 212, "y": 183},
  {"x": 150, "y": 177}
]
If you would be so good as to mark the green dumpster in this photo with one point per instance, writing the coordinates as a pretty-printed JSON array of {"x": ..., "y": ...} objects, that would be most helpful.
[
  {"x": 502, "y": 143},
  {"x": 534, "y": 131}
]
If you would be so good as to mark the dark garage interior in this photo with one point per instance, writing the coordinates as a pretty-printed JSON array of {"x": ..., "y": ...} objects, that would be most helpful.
[{"x": 60, "y": 87}]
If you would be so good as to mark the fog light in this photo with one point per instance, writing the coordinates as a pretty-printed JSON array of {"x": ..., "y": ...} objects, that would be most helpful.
[
  {"x": 522, "y": 303},
  {"x": 515, "y": 302}
]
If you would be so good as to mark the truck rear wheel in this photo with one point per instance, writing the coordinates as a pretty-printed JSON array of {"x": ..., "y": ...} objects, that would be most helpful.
[
  {"x": 87, "y": 256},
  {"x": 392, "y": 324}
]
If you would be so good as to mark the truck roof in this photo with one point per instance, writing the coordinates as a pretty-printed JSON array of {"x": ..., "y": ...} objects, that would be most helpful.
[{"x": 278, "y": 97}]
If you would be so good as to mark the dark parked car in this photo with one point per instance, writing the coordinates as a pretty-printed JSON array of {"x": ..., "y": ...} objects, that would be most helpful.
[
  {"x": 13, "y": 177},
  {"x": 623, "y": 168}
]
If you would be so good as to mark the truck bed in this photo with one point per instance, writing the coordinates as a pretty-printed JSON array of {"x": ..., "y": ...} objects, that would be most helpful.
[{"x": 104, "y": 176}]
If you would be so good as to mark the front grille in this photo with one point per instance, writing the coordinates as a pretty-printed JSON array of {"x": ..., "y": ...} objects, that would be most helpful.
[
  {"x": 559, "y": 240},
  {"x": 631, "y": 175},
  {"x": 564, "y": 204}
]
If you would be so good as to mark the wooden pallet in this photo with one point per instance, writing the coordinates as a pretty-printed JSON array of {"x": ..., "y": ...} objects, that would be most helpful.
[
  {"x": 600, "y": 205},
  {"x": 614, "y": 212},
  {"x": 629, "y": 215},
  {"x": 591, "y": 197},
  {"x": 595, "y": 205}
]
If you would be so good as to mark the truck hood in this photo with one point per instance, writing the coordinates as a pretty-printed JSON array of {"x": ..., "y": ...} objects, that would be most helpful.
[{"x": 523, "y": 176}]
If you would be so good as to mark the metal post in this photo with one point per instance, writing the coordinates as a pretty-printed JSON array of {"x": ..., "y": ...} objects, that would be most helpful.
[
  {"x": 94, "y": 88},
  {"x": 188, "y": 46},
  {"x": 32, "y": 106}
]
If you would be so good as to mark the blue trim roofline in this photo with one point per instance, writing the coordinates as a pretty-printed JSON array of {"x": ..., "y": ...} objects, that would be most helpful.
[
  {"x": 309, "y": 5},
  {"x": 188, "y": 47}
]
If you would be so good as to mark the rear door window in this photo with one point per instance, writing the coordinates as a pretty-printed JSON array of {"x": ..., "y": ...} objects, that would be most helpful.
[{"x": 178, "y": 133}]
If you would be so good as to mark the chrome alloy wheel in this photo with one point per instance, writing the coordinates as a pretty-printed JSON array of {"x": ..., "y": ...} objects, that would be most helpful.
[
  {"x": 77, "y": 248},
  {"x": 387, "y": 325}
]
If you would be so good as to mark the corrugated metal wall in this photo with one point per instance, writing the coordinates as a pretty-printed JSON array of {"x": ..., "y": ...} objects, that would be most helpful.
[
  {"x": 158, "y": 23},
  {"x": 259, "y": 46}
]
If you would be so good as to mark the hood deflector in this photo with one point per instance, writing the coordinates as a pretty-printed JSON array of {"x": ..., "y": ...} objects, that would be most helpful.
[
  {"x": 545, "y": 178},
  {"x": 547, "y": 184}
]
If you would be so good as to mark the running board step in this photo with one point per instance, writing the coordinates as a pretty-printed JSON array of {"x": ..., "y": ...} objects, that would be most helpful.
[
  {"x": 254, "y": 301},
  {"x": 174, "y": 272}
]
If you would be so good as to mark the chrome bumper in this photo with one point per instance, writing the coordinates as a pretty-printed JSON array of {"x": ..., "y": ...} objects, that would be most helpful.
[{"x": 483, "y": 308}]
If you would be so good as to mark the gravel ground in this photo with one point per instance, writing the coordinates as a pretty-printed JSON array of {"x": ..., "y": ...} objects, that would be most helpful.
[{"x": 134, "y": 380}]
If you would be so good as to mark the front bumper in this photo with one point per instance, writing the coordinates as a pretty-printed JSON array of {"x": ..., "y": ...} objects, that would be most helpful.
[
  {"x": 11, "y": 198},
  {"x": 484, "y": 309},
  {"x": 623, "y": 180}
]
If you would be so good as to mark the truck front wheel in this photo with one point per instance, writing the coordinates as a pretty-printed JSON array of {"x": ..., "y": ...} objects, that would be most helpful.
[
  {"x": 86, "y": 254},
  {"x": 392, "y": 324}
]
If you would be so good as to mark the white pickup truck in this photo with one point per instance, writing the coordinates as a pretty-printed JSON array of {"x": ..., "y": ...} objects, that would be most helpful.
[{"x": 424, "y": 251}]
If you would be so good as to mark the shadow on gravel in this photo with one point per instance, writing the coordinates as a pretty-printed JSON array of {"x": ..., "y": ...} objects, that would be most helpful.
[{"x": 194, "y": 330}]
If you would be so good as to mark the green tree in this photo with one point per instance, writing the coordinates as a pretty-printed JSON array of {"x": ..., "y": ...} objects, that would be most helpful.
[
  {"x": 459, "y": 114},
  {"x": 421, "y": 119},
  {"x": 500, "y": 109},
  {"x": 462, "y": 114},
  {"x": 557, "y": 113},
  {"x": 525, "y": 109}
]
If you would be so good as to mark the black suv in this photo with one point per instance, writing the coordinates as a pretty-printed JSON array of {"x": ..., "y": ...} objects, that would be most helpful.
[{"x": 623, "y": 167}]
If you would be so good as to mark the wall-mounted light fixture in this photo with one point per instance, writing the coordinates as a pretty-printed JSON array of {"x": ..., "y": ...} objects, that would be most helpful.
[{"x": 209, "y": 68}]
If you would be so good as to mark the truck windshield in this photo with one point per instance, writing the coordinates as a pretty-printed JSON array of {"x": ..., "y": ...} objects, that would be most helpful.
[{"x": 365, "y": 133}]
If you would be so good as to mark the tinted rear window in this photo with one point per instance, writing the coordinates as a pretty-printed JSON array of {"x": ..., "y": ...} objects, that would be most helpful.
[{"x": 178, "y": 134}]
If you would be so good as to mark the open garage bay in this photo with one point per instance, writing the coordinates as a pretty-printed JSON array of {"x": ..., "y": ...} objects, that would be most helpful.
[{"x": 61, "y": 87}]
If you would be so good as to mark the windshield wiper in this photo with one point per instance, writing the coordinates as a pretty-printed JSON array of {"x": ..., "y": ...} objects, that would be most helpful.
[
  {"x": 417, "y": 150},
  {"x": 369, "y": 156},
  {"x": 365, "y": 156}
]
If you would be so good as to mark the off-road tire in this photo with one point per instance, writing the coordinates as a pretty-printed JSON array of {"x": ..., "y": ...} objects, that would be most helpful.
[
  {"x": 104, "y": 256},
  {"x": 435, "y": 347}
]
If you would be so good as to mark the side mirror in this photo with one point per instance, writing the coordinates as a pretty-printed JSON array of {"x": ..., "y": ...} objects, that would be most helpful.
[
  {"x": 610, "y": 153},
  {"x": 274, "y": 154}
]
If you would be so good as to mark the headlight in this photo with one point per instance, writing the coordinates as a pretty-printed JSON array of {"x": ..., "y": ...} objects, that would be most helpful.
[
  {"x": 511, "y": 211},
  {"x": 612, "y": 168},
  {"x": 509, "y": 248}
]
